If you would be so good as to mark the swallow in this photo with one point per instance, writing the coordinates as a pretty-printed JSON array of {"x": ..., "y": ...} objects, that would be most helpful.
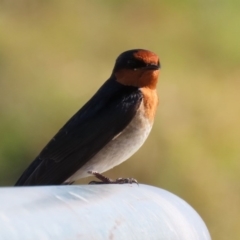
[{"x": 107, "y": 130}]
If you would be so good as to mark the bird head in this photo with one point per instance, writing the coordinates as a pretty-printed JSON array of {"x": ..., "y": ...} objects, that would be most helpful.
[{"x": 138, "y": 68}]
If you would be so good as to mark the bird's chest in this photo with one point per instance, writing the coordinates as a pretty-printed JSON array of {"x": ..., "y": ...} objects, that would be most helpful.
[
  {"x": 133, "y": 136},
  {"x": 123, "y": 145},
  {"x": 126, "y": 143}
]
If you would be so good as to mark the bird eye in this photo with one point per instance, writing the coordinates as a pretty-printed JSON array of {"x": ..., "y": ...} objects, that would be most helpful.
[{"x": 130, "y": 62}]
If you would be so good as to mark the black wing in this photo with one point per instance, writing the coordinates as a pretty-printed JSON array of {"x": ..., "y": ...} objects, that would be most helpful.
[{"x": 106, "y": 114}]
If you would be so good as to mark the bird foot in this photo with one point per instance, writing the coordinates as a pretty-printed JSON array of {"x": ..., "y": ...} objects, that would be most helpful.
[{"x": 106, "y": 180}]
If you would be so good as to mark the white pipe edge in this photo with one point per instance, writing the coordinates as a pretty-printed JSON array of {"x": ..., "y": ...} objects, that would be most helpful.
[{"x": 97, "y": 212}]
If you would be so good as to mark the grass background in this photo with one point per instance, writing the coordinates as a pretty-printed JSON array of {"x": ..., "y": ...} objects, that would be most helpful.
[{"x": 54, "y": 55}]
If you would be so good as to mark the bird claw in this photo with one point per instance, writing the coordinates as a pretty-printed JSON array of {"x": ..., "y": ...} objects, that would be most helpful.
[
  {"x": 125, "y": 180},
  {"x": 106, "y": 180}
]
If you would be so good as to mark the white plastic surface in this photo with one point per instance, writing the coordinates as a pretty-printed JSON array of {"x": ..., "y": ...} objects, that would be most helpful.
[{"x": 97, "y": 212}]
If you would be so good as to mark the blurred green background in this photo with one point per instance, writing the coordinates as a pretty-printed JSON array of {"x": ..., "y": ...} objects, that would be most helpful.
[{"x": 54, "y": 55}]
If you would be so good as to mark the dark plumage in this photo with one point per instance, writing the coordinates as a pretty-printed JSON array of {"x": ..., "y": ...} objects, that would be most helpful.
[{"x": 101, "y": 119}]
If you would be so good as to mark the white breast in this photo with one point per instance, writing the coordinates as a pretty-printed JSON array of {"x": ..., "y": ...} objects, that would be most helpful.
[{"x": 119, "y": 149}]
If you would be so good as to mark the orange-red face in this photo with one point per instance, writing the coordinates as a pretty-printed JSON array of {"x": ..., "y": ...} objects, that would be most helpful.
[{"x": 138, "y": 68}]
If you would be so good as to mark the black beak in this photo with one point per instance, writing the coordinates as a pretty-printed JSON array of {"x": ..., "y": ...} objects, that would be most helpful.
[{"x": 152, "y": 66}]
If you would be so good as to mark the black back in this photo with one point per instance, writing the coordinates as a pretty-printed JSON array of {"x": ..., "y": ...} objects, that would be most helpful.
[{"x": 104, "y": 116}]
